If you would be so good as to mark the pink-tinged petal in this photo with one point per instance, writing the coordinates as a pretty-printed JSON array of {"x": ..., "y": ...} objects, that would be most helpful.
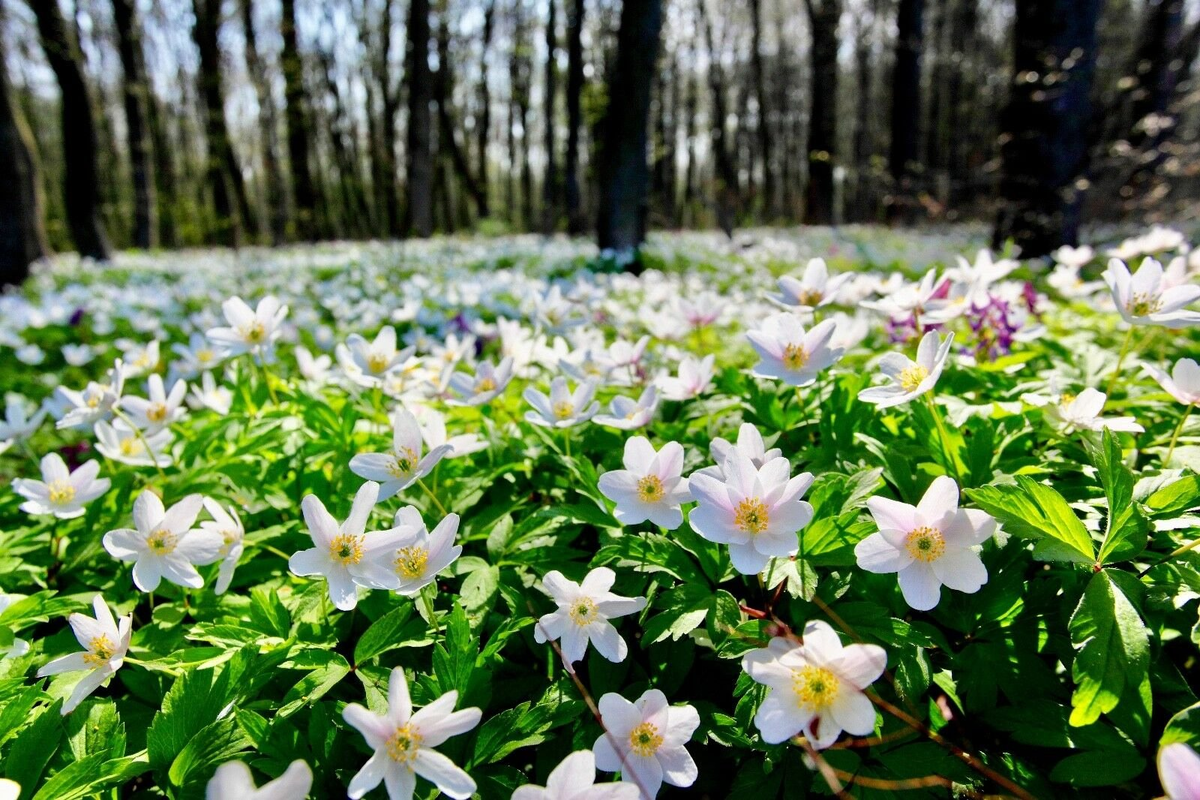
[
  {"x": 781, "y": 543},
  {"x": 607, "y": 758},
  {"x": 940, "y": 499},
  {"x": 620, "y": 717},
  {"x": 746, "y": 559},
  {"x": 647, "y": 770},
  {"x": 876, "y": 554},
  {"x": 961, "y": 570},
  {"x": 1179, "y": 771},
  {"x": 790, "y": 517},
  {"x": 763, "y": 666},
  {"x": 618, "y": 484},
  {"x": 716, "y": 525},
  {"x": 444, "y": 773},
  {"x": 920, "y": 586},
  {"x": 860, "y": 664},
  {"x": 709, "y": 491},
  {"x": 639, "y": 453},
  {"x": 573, "y": 772},
  {"x": 400, "y": 781},
  {"x": 666, "y": 518},
  {"x": 820, "y": 642},
  {"x": 740, "y": 474},
  {"x": 321, "y": 525},
  {"x": 766, "y": 345},
  {"x": 853, "y": 712},
  {"x": 607, "y": 641},
  {"x": 682, "y": 722},
  {"x": 147, "y": 511},
  {"x": 598, "y": 581},
  {"x": 971, "y": 526},
  {"x": 677, "y": 766},
  {"x": 779, "y": 718},
  {"x": 573, "y": 642},
  {"x": 773, "y": 476},
  {"x": 670, "y": 461}
]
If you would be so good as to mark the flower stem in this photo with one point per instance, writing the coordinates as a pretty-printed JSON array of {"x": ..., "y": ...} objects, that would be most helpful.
[
  {"x": 432, "y": 497},
  {"x": 1112, "y": 382},
  {"x": 265, "y": 374},
  {"x": 141, "y": 438},
  {"x": 1175, "y": 436}
]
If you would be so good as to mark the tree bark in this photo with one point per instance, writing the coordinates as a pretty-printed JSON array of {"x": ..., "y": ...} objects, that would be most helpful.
[
  {"x": 770, "y": 207},
  {"x": 136, "y": 95},
  {"x": 1044, "y": 144},
  {"x": 575, "y": 17},
  {"x": 81, "y": 182},
  {"x": 443, "y": 84},
  {"x": 419, "y": 199},
  {"x": 1156, "y": 68},
  {"x": 484, "y": 128},
  {"x": 906, "y": 109},
  {"x": 277, "y": 207},
  {"x": 165, "y": 174},
  {"x": 550, "y": 180},
  {"x": 22, "y": 237},
  {"x": 823, "y": 16},
  {"x": 296, "y": 115},
  {"x": 624, "y": 174},
  {"x": 726, "y": 177},
  {"x": 390, "y": 97}
]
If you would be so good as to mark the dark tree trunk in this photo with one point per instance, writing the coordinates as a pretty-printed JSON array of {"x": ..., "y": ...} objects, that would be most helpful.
[
  {"x": 165, "y": 175},
  {"x": 863, "y": 140},
  {"x": 81, "y": 181},
  {"x": 390, "y": 96},
  {"x": 1044, "y": 139},
  {"x": 823, "y": 16},
  {"x": 965, "y": 153},
  {"x": 726, "y": 178},
  {"x": 443, "y": 84},
  {"x": 137, "y": 95},
  {"x": 550, "y": 182},
  {"x": 624, "y": 174},
  {"x": 1157, "y": 67},
  {"x": 770, "y": 208},
  {"x": 419, "y": 200},
  {"x": 484, "y": 128},
  {"x": 520, "y": 79},
  {"x": 296, "y": 116},
  {"x": 22, "y": 237},
  {"x": 575, "y": 16},
  {"x": 277, "y": 207},
  {"x": 906, "y": 109}
]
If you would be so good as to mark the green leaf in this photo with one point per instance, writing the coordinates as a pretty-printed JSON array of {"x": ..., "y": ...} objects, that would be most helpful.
[
  {"x": 268, "y": 613},
  {"x": 1183, "y": 727},
  {"x": 1175, "y": 497},
  {"x": 212, "y": 745},
  {"x": 479, "y": 589},
  {"x": 1125, "y": 531},
  {"x": 80, "y": 778},
  {"x": 96, "y": 727},
  {"x": 389, "y": 632},
  {"x": 1099, "y": 767},
  {"x": 315, "y": 684},
  {"x": 188, "y": 706},
  {"x": 1113, "y": 649},
  {"x": 1035, "y": 511},
  {"x": 683, "y": 609},
  {"x": 724, "y": 615},
  {"x": 34, "y": 747}
]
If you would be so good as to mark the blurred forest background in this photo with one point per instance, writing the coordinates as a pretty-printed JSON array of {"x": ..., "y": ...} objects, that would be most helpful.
[{"x": 173, "y": 123}]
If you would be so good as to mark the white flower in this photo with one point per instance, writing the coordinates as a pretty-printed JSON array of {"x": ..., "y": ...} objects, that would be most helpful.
[
  {"x": 563, "y": 408},
  {"x": 694, "y": 379},
  {"x": 1183, "y": 383},
  {"x": 757, "y": 511},
  {"x": 813, "y": 290},
  {"x": 1142, "y": 298},
  {"x": 19, "y": 647},
  {"x": 484, "y": 386},
  {"x": 104, "y": 641},
  {"x": 910, "y": 379},
  {"x": 164, "y": 543},
  {"x": 77, "y": 354},
  {"x": 9, "y": 789},
  {"x": 31, "y": 355},
  {"x": 644, "y": 741},
  {"x": 403, "y": 743},
  {"x": 1179, "y": 771},
  {"x": 140, "y": 360},
  {"x": 198, "y": 355},
  {"x": 95, "y": 402},
  {"x": 368, "y": 363},
  {"x": 907, "y": 301},
  {"x": 122, "y": 443},
  {"x": 651, "y": 487},
  {"x": 250, "y": 331},
  {"x": 816, "y": 687},
  {"x": 59, "y": 492},
  {"x": 345, "y": 555},
  {"x": 420, "y": 555},
  {"x": 433, "y": 433},
  {"x": 314, "y": 369},
  {"x": 1073, "y": 257},
  {"x": 787, "y": 353},
  {"x": 1082, "y": 412},
  {"x": 1070, "y": 284},
  {"x": 575, "y": 779},
  {"x": 749, "y": 443},
  {"x": 628, "y": 414},
  {"x": 208, "y": 394},
  {"x": 17, "y": 424},
  {"x": 160, "y": 409},
  {"x": 227, "y": 525},
  {"x": 234, "y": 781},
  {"x": 929, "y": 545},
  {"x": 584, "y": 611},
  {"x": 405, "y": 465}
]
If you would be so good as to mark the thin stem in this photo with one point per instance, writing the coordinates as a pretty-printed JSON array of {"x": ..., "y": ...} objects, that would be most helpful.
[
  {"x": 944, "y": 435},
  {"x": 428, "y": 601},
  {"x": 265, "y": 375},
  {"x": 1175, "y": 436},
  {"x": 432, "y": 497},
  {"x": 567, "y": 442},
  {"x": 1112, "y": 382},
  {"x": 141, "y": 438},
  {"x": 276, "y": 551}
]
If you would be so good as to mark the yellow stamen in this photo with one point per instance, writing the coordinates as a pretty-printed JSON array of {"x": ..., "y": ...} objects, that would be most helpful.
[
  {"x": 645, "y": 739},
  {"x": 563, "y": 410},
  {"x": 405, "y": 463},
  {"x": 61, "y": 492},
  {"x": 795, "y": 356},
  {"x": 411, "y": 561},
  {"x": 100, "y": 651},
  {"x": 162, "y": 542},
  {"x": 377, "y": 362},
  {"x": 1143, "y": 304},
  {"x": 912, "y": 376},
  {"x": 346, "y": 549},
  {"x": 255, "y": 332},
  {"x": 751, "y": 515},
  {"x": 815, "y": 687},
  {"x": 403, "y": 745},
  {"x": 925, "y": 544},
  {"x": 485, "y": 385},
  {"x": 583, "y": 611},
  {"x": 157, "y": 412},
  {"x": 650, "y": 489}
]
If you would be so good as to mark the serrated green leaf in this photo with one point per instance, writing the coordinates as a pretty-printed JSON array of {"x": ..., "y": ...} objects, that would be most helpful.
[
  {"x": 1036, "y": 511},
  {"x": 1112, "y": 649}
]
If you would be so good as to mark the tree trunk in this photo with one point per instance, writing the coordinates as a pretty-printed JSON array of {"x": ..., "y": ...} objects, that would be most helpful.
[
  {"x": 484, "y": 128},
  {"x": 1156, "y": 70},
  {"x": 443, "y": 84},
  {"x": 823, "y": 16},
  {"x": 726, "y": 178},
  {"x": 906, "y": 110},
  {"x": 770, "y": 209},
  {"x": 277, "y": 207},
  {"x": 81, "y": 181},
  {"x": 222, "y": 171},
  {"x": 419, "y": 200},
  {"x": 22, "y": 237},
  {"x": 624, "y": 174},
  {"x": 550, "y": 181},
  {"x": 165, "y": 176},
  {"x": 296, "y": 116},
  {"x": 575, "y": 16},
  {"x": 137, "y": 95},
  {"x": 1044, "y": 140},
  {"x": 390, "y": 96},
  {"x": 864, "y": 146}
]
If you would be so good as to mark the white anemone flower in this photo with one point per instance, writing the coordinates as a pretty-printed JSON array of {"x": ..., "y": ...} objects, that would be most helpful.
[
  {"x": 95, "y": 402},
  {"x": 788, "y": 353},
  {"x": 228, "y": 525},
  {"x": 140, "y": 360},
  {"x": 17, "y": 423},
  {"x": 749, "y": 442},
  {"x": 693, "y": 379},
  {"x": 250, "y": 330},
  {"x": 628, "y": 414},
  {"x": 77, "y": 354},
  {"x": 122, "y": 443},
  {"x": 419, "y": 554},
  {"x": 813, "y": 290},
  {"x": 645, "y": 741},
  {"x": 932, "y": 544},
  {"x": 1142, "y": 299},
  {"x": 1073, "y": 257},
  {"x": 105, "y": 642},
  {"x": 163, "y": 543},
  {"x": 1179, "y": 772},
  {"x": 345, "y": 555},
  {"x": 651, "y": 487},
  {"x": 910, "y": 379},
  {"x": 368, "y": 363},
  {"x": 234, "y": 781},
  {"x": 757, "y": 511},
  {"x": 403, "y": 742},
  {"x": 433, "y": 433},
  {"x": 61, "y": 492},
  {"x": 816, "y": 687},
  {"x": 19, "y": 647},
  {"x": 405, "y": 465},
  {"x": 198, "y": 355},
  {"x": 1183, "y": 383},
  {"x": 575, "y": 779},
  {"x": 563, "y": 408},
  {"x": 160, "y": 409},
  {"x": 1068, "y": 412},
  {"x": 485, "y": 385},
  {"x": 314, "y": 369},
  {"x": 208, "y": 394},
  {"x": 583, "y": 614}
]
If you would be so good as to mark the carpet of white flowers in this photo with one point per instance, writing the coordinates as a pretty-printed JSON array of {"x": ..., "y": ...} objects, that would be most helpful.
[{"x": 853, "y": 513}]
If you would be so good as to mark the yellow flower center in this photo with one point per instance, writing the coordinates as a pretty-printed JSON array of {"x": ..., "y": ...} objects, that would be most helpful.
[
  {"x": 912, "y": 376},
  {"x": 403, "y": 745},
  {"x": 815, "y": 687},
  {"x": 645, "y": 739},
  {"x": 810, "y": 297},
  {"x": 93, "y": 399},
  {"x": 255, "y": 332},
  {"x": 131, "y": 447},
  {"x": 205, "y": 355},
  {"x": 157, "y": 412},
  {"x": 162, "y": 541},
  {"x": 61, "y": 492},
  {"x": 751, "y": 515},
  {"x": 346, "y": 549},
  {"x": 1143, "y": 304},
  {"x": 583, "y": 611},
  {"x": 405, "y": 463},
  {"x": 563, "y": 410},
  {"x": 100, "y": 650},
  {"x": 410, "y": 562},
  {"x": 795, "y": 356},
  {"x": 650, "y": 489},
  {"x": 377, "y": 362},
  {"x": 485, "y": 385},
  {"x": 925, "y": 544}
]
